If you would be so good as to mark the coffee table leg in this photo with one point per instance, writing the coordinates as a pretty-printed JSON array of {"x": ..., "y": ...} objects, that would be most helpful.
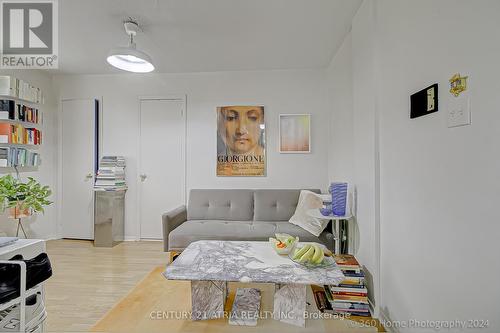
[
  {"x": 208, "y": 299},
  {"x": 290, "y": 304}
]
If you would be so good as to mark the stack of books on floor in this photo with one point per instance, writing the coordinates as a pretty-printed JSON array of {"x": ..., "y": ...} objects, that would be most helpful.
[
  {"x": 350, "y": 296},
  {"x": 111, "y": 173}
]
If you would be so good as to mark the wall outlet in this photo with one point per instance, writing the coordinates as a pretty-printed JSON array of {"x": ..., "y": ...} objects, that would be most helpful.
[{"x": 459, "y": 111}]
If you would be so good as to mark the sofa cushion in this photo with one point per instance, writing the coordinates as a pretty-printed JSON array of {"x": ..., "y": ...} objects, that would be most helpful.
[
  {"x": 194, "y": 230},
  {"x": 309, "y": 200},
  {"x": 276, "y": 205},
  {"x": 220, "y": 204}
]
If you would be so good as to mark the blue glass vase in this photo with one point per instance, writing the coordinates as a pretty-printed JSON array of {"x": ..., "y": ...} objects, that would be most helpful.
[{"x": 339, "y": 198}]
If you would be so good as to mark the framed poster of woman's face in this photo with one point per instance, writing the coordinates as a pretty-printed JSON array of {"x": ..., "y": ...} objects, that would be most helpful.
[
  {"x": 295, "y": 133},
  {"x": 241, "y": 146}
]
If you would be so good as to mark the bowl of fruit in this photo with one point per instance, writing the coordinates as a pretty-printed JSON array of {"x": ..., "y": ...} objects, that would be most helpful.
[
  {"x": 312, "y": 255},
  {"x": 283, "y": 243}
]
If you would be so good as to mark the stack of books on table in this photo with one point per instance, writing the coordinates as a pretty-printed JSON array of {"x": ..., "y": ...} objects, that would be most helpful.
[
  {"x": 351, "y": 295},
  {"x": 111, "y": 173}
]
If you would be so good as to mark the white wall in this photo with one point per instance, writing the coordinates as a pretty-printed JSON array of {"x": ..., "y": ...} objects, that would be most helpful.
[
  {"x": 366, "y": 143},
  {"x": 42, "y": 225},
  {"x": 300, "y": 91},
  {"x": 437, "y": 187},
  {"x": 353, "y": 155},
  {"x": 339, "y": 97},
  {"x": 440, "y": 186},
  {"x": 339, "y": 89}
]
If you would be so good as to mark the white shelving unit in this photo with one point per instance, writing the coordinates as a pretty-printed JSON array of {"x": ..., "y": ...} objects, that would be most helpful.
[
  {"x": 22, "y": 145},
  {"x": 316, "y": 213},
  {"x": 24, "y": 123},
  {"x": 21, "y": 92},
  {"x": 20, "y": 100}
]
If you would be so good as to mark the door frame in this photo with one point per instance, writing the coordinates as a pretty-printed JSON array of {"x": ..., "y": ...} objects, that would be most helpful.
[
  {"x": 59, "y": 186},
  {"x": 172, "y": 97}
]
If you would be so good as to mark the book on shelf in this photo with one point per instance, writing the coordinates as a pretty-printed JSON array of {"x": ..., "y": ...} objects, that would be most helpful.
[
  {"x": 14, "y": 87},
  {"x": 4, "y": 115},
  {"x": 7, "y": 108},
  {"x": 18, "y": 157},
  {"x": 5, "y": 133},
  {"x": 10, "y": 110},
  {"x": 18, "y": 134}
]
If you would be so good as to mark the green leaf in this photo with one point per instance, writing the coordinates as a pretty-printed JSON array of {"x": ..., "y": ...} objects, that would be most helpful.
[{"x": 29, "y": 195}]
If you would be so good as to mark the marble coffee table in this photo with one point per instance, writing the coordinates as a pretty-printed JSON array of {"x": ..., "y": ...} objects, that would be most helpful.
[{"x": 209, "y": 265}]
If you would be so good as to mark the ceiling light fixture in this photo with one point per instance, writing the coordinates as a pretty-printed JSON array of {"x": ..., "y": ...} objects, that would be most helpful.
[{"x": 130, "y": 58}]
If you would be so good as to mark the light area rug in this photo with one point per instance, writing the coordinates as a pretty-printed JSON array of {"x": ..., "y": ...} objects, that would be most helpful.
[{"x": 158, "y": 305}]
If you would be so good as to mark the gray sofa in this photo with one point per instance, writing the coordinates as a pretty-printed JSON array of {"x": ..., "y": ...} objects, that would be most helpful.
[{"x": 224, "y": 214}]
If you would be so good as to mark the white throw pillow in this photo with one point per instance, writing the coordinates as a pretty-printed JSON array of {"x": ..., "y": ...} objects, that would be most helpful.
[{"x": 309, "y": 200}]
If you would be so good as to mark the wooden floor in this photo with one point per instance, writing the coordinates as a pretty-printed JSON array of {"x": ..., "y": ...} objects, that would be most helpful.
[
  {"x": 158, "y": 305},
  {"x": 87, "y": 281}
]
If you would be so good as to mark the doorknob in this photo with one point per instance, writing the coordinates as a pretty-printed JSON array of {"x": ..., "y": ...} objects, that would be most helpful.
[{"x": 143, "y": 177}]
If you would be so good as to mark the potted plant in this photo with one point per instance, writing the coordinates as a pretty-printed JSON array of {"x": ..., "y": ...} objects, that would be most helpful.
[{"x": 23, "y": 198}]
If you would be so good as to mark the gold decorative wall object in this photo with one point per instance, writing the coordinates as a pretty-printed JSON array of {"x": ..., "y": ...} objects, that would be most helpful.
[{"x": 458, "y": 84}]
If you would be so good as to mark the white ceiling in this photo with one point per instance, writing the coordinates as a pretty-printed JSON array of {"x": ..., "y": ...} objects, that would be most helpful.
[{"x": 205, "y": 35}]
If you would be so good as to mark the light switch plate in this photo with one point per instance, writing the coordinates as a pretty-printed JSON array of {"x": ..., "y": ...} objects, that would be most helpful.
[{"x": 459, "y": 111}]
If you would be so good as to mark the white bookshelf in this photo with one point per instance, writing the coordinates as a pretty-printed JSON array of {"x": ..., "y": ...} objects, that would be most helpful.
[
  {"x": 20, "y": 122},
  {"x": 20, "y": 145},
  {"x": 20, "y": 100},
  {"x": 21, "y": 90},
  {"x": 5, "y": 170},
  {"x": 25, "y": 94}
]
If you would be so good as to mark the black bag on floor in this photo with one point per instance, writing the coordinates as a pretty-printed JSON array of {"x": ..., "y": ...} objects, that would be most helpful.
[{"x": 38, "y": 270}]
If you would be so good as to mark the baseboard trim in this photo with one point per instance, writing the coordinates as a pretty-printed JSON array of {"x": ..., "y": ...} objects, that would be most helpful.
[
  {"x": 384, "y": 319},
  {"x": 136, "y": 239}
]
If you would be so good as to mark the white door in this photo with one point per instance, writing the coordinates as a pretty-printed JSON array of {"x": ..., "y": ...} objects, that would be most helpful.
[
  {"x": 162, "y": 167},
  {"x": 78, "y": 168}
]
